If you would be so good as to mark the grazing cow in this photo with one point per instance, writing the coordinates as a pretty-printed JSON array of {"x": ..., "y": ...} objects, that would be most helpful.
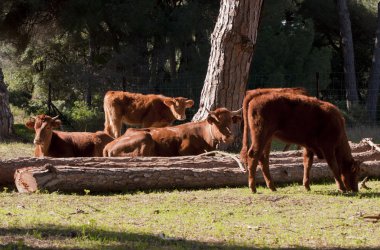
[
  {"x": 316, "y": 125},
  {"x": 142, "y": 110},
  {"x": 54, "y": 143},
  {"x": 249, "y": 95},
  {"x": 191, "y": 138}
]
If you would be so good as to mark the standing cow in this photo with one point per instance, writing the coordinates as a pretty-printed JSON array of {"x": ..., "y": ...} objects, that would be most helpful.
[
  {"x": 249, "y": 95},
  {"x": 191, "y": 138},
  {"x": 316, "y": 125},
  {"x": 53, "y": 143},
  {"x": 142, "y": 110}
]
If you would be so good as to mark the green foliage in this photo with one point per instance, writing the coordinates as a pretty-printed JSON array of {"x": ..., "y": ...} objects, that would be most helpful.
[
  {"x": 291, "y": 59},
  {"x": 85, "y": 118},
  {"x": 163, "y": 47}
]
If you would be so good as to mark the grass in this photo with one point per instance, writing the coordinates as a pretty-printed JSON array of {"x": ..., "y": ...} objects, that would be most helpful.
[{"x": 228, "y": 218}]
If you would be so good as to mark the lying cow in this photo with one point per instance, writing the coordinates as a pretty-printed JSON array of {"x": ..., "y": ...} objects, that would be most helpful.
[
  {"x": 186, "y": 139},
  {"x": 134, "y": 142},
  {"x": 249, "y": 95},
  {"x": 142, "y": 110},
  {"x": 55, "y": 143},
  {"x": 316, "y": 125}
]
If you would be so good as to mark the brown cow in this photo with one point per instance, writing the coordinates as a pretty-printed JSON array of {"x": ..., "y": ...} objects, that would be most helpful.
[
  {"x": 186, "y": 139},
  {"x": 134, "y": 142},
  {"x": 142, "y": 110},
  {"x": 249, "y": 95},
  {"x": 54, "y": 143},
  {"x": 316, "y": 125}
]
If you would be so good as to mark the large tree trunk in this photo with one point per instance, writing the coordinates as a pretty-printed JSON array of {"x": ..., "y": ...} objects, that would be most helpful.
[
  {"x": 6, "y": 117},
  {"x": 232, "y": 43},
  {"x": 348, "y": 54},
  {"x": 374, "y": 78}
]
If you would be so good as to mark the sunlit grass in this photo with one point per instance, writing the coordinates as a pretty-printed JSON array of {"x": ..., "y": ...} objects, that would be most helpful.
[{"x": 224, "y": 218}]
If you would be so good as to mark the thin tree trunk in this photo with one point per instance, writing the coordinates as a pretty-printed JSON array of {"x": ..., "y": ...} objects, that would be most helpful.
[
  {"x": 91, "y": 64},
  {"x": 6, "y": 117},
  {"x": 348, "y": 54},
  {"x": 374, "y": 78}
]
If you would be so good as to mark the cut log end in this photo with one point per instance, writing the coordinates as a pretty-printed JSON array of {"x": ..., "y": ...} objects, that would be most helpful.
[{"x": 25, "y": 181}]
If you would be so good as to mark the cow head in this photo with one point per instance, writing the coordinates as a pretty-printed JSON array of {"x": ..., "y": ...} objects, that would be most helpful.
[
  {"x": 43, "y": 125},
  {"x": 178, "y": 106},
  {"x": 220, "y": 122},
  {"x": 350, "y": 176}
]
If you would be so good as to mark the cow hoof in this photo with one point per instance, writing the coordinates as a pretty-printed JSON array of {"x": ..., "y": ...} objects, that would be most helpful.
[
  {"x": 253, "y": 190},
  {"x": 273, "y": 189},
  {"x": 307, "y": 188}
]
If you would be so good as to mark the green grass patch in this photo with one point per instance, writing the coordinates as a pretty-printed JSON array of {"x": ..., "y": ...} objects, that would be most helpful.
[{"x": 228, "y": 218}]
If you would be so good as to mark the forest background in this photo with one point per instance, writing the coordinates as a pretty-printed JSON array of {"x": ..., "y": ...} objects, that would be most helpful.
[{"x": 61, "y": 56}]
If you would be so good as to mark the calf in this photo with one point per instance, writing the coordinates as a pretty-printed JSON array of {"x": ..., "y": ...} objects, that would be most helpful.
[
  {"x": 142, "y": 110},
  {"x": 54, "y": 143},
  {"x": 249, "y": 95},
  {"x": 186, "y": 139},
  {"x": 316, "y": 125}
]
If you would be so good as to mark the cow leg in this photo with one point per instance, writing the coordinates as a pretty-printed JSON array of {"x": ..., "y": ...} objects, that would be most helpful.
[
  {"x": 308, "y": 157},
  {"x": 254, "y": 154},
  {"x": 116, "y": 127},
  {"x": 264, "y": 163},
  {"x": 333, "y": 164}
]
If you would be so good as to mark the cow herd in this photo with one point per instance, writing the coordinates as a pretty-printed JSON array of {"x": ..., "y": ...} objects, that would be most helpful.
[{"x": 287, "y": 114}]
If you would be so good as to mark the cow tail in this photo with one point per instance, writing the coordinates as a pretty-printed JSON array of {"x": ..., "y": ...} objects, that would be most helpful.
[
  {"x": 243, "y": 152},
  {"x": 107, "y": 122}
]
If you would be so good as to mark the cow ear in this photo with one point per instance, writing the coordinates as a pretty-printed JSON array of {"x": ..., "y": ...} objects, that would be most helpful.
[
  {"x": 189, "y": 103},
  {"x": 356, "y": 166},
  {"x": 30, "y": 124},
  {"x": 236, "y": 118},
  {"x": 211, "y": 118},
  {"x": 56, "y": 123},
  {"x": 169, "y": 102}
]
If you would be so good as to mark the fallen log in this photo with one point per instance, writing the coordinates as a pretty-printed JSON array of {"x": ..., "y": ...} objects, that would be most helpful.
[
  {"x": 206, "y": 172},
  {"x": 9, "y": 166}
]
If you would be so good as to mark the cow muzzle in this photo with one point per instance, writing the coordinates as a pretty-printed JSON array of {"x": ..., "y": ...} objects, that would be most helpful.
[
  {"x": 181, "y": 117},
  {"x": 228, "y": 139},
  {"x": 37, "y": 141}
]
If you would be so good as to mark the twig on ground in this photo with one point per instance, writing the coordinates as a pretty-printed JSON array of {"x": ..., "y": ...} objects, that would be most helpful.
[
  {"x": 362, "y": 184},
  {"x": 225, "y": 154}
]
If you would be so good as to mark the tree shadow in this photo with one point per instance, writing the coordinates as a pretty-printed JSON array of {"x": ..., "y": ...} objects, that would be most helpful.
[
  {"x": 112, "y": 240},
  {"x": 123, "y": 240}
]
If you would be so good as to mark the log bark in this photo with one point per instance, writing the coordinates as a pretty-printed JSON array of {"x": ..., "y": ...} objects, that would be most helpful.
[
  {"x": 361, "y": 151},
  {"x": 186, "y": 173},
  {"x": 171, "y": 171}
]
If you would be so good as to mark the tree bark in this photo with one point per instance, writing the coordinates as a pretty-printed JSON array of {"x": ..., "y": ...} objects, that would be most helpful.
[
  {"x": 348, "y": 54},
  {"x": 374, "y": 78},
  {"x": 6, "y": 117},
  {"x": 232, "y": 43}
]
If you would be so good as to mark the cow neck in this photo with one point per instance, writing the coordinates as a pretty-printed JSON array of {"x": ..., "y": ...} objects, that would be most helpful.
[
  {"x": 45, "y": 148},
  {"x": 214, "y": 142}
]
